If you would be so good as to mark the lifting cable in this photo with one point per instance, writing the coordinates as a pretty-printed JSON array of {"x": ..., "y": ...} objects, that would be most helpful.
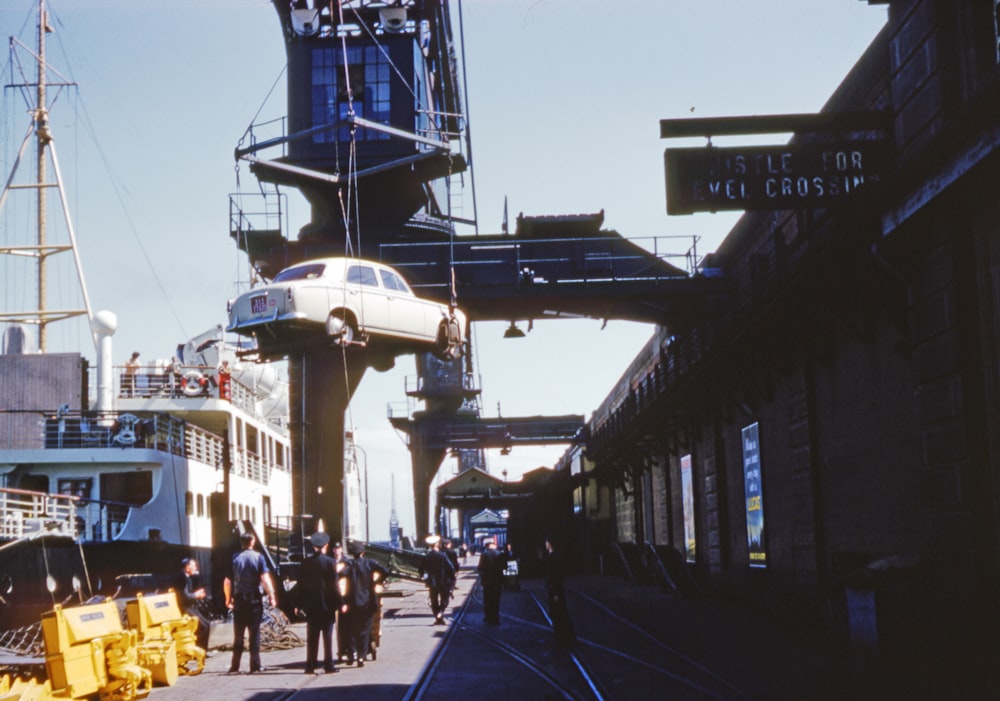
[{"x": 351, "y": 206}]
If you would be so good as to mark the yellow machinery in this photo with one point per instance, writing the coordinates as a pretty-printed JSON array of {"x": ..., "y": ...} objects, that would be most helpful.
[
  {"x": 24, "y": 690},
  {"x": 87, "y": 652},
  {"x": 168, "y": 642}
]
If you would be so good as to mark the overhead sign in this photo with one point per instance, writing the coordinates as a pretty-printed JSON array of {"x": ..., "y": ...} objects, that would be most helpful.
[{"x": 794, "y": 176}]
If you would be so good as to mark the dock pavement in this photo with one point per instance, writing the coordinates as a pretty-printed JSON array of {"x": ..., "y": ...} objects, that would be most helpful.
[{"x": 633, "y": 642}]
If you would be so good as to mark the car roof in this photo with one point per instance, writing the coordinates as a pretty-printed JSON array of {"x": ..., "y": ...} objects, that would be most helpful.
[{"x": 339, "y": 260}]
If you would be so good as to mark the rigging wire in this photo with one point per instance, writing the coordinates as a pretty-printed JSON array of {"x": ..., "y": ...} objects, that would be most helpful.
[{"x": 351, "y": 206}]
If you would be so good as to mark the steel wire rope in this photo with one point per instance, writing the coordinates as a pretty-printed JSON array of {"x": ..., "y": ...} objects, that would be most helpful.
[
  {"x": 115, "y": 181},
  {"x": 351, "y": 207},
  {"x": 86, "y": 569},
  {"x": 434, "y": 120},
  {"x": 413, "y": 93},
  {"x": 48, "y": 574}
]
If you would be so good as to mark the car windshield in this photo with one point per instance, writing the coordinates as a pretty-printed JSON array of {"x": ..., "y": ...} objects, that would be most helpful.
[{"x": 300, "y": 272}]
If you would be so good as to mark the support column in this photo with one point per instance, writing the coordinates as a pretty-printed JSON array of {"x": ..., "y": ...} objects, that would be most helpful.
[
  {"x": 425, "y": 463},
  {"x": 321, "y": 385}
]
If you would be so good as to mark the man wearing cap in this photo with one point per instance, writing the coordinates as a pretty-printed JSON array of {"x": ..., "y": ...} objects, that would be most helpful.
[
  {"x": 359, "y": 601},
  {"x": 492, "y": 564},
  {"x": 319, "y": 597},
  {"x": 438, "y": 574}
]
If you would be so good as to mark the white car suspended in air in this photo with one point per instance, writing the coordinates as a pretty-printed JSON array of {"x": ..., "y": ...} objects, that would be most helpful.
[{"x": 355, "y": 301}]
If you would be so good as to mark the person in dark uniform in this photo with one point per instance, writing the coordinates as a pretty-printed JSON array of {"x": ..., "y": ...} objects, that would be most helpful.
[
  {"x": 359, "y": 601},
  {"x": 439, "y": 575},
  {"x": 449, "y": 549},
  {"x": 492, "y": 564},
  {"x": 337, "y": 553},
  {"x": 192, "y": 596},
  {"x": 247, "y": 576},
  {"x": 318, "y": 596},
  {"x": 555, "y": 585}
]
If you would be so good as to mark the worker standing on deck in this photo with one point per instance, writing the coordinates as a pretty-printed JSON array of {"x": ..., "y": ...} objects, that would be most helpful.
[
  {"x": 131, "y": 372},
  {"x": 439, "y": 575},
  {"x": 248, "y": 575},
  {"x": 359, "y": 601}
]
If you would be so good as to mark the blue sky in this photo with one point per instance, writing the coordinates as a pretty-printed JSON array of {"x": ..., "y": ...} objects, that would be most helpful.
[{"x": 565, "y": 98}]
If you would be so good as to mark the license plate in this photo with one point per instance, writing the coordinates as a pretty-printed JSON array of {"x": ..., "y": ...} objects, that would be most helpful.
[{"x": 258, "y": 304}]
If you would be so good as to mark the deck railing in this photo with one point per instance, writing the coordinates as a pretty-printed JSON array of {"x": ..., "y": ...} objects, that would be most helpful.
[{"x": 25, "y": 513}]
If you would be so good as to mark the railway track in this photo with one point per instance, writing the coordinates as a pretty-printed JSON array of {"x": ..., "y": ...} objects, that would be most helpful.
[{"x": 613, "y": 658}]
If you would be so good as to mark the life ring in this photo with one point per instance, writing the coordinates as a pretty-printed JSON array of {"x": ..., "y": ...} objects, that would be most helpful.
[{"x": 193, "y": 383}]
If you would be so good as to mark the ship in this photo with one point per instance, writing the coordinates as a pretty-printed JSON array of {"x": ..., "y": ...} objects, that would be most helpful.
[{"x": 99, "y": 498}]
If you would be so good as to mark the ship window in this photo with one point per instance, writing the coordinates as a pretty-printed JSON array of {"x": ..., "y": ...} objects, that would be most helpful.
[
  {"x": 188, "y": 504},
  {"x": 134, "y": 488},
  {"x": 201, "y": 505},
  {"x": 251, "y": 442},
  {"x": 77, "y": 488},
  {"x": 34, "y": 483},
  {"x": 364, "y": 86}
]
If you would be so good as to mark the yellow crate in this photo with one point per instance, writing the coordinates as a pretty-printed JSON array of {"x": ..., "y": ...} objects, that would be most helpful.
[
  {"x": 64, "y": 628},
  {"x": 145, "y": 612},
  {"x": 81, "y": 670}
]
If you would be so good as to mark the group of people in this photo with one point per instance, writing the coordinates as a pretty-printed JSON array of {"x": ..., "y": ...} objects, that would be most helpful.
[
  {"x": 492, "y": 568},
  {"x": 440, "y": 565},
  {"x": 334, "y": 592}
]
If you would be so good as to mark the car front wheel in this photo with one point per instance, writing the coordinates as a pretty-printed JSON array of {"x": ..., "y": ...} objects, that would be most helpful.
[{"x": 339, "y": 329}]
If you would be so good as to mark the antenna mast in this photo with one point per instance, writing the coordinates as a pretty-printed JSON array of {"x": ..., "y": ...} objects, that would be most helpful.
[{"x": 42, "y": 316}]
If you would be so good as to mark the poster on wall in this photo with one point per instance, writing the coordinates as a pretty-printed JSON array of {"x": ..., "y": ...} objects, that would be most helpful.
[
  {"x": 687, "y": 490},
  {"x": 756, "y": 542}
]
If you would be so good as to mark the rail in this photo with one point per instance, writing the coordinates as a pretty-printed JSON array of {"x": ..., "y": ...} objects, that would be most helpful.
[{"x": 25, "y": 513}]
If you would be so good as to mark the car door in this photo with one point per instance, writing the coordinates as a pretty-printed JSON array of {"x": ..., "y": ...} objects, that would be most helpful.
[
  {"x": 408, "y": 314},
  {"x": 367, "y": 297}
]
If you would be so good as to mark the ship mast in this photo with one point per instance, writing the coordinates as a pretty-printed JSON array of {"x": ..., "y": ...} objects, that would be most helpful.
[{"x": 42, "y": 316}]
